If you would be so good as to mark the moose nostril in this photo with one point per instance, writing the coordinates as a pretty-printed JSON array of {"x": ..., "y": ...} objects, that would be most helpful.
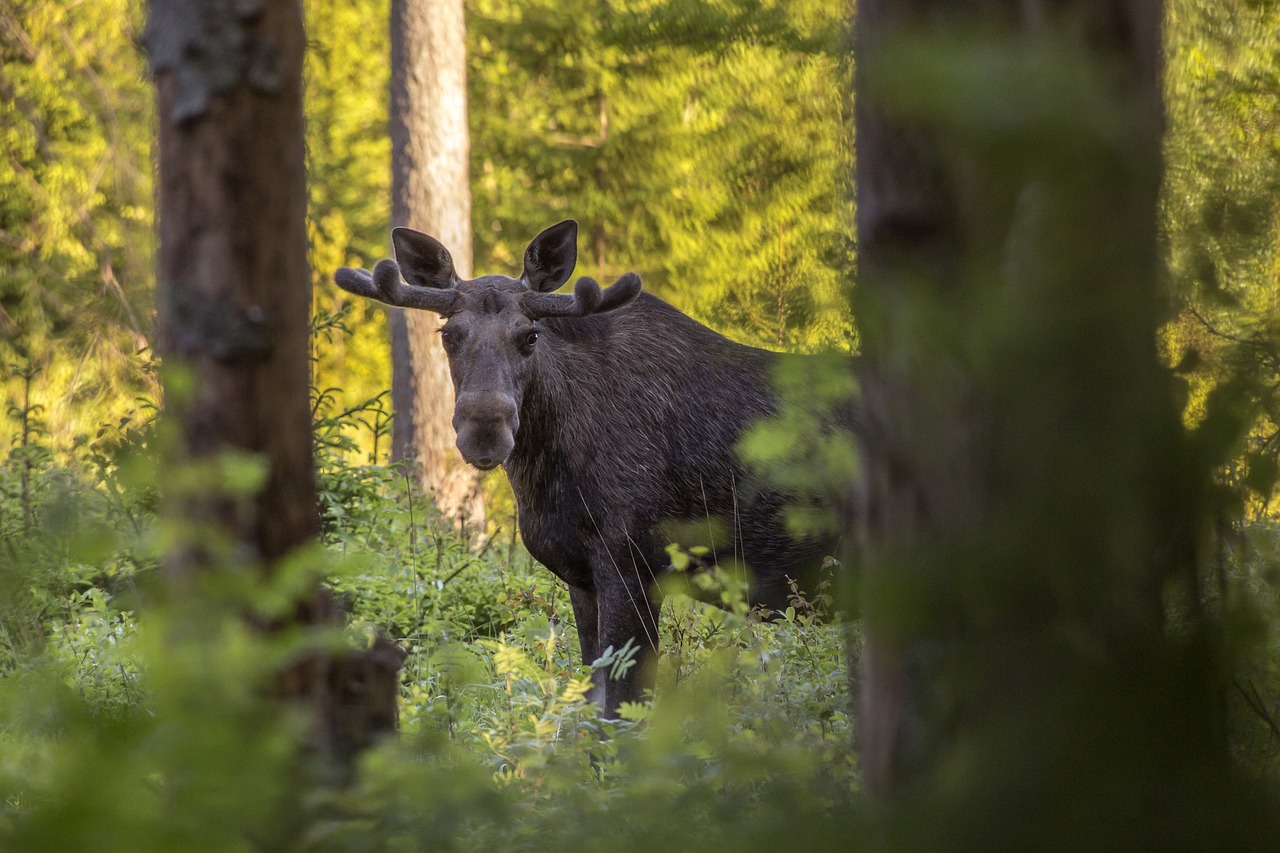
[
  {"x": 486, "y": 408},
  {"x": 485, "y": 423}
]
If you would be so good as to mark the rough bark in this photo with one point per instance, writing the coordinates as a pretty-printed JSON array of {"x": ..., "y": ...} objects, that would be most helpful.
[
  {"x": 430, "y": 192},
  {"x": 232, "y": 279},
  {"x": 234, "y": 299},
  {"x": 1017, "y": 416}
]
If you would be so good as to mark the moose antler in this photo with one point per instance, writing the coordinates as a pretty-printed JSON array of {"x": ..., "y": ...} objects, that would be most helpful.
[
  {"x": 386, "y": 285},
  {"x": 587, "y": 298}
]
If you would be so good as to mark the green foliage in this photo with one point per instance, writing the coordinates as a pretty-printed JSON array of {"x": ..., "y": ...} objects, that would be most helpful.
[
  {"x": 707, "y": 161},
  {"x": 799, "y": 450},
  {"x": 138, "y": 720},
  {"x": 75, "y": 210},
  {"x": 131, "y": 718},
  {"x": 1222, "y": 226},
  {"x": 362, "y": 429},
  {"x": 57, "y": 526},
  {"x": 349, "y": 183},
  {"x": 76, "y": 217},
  {"x": 1221, "y": 223}
]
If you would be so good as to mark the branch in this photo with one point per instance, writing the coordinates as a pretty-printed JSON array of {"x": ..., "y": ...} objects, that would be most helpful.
[
  {"x": 1213, "y": 331},
  {"x": 1255, "y": 703},
  {"x": 569, "y": 139}
]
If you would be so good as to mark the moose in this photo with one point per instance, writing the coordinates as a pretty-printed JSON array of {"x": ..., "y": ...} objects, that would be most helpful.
[{"x": 614, "y": 416}]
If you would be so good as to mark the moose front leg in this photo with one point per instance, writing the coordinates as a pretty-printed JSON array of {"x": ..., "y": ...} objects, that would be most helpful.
[{"x": 627, "y": 613}]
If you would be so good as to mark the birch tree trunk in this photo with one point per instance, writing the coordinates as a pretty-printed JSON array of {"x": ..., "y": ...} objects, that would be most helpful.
[{"x": 430, "y": 192}]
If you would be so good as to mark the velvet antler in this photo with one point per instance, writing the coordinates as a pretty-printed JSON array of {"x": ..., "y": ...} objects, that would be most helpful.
[
  {"x": 587, "y": 298},
  {"x": 385, "y": 285}
]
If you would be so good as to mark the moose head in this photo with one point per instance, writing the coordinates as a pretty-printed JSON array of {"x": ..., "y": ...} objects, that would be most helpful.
[{"x": 493, "y": 323}]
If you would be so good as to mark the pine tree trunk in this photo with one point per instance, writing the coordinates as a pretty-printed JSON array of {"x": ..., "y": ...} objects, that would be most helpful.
[
  {"x": 1018, "y": 419},
  {"x": 233, "y": 291},
  {"x": 430, "y": 192},
  {"x": 234, "y": 299}
]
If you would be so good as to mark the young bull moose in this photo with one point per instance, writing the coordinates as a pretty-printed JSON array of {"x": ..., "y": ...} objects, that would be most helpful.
[{"x": 614, "y": 415}]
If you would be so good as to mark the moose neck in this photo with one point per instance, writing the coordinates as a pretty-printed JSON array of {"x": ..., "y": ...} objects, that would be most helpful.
[
  {"x": 564, "y": 398},
  {"x": 601, "y": 383}
]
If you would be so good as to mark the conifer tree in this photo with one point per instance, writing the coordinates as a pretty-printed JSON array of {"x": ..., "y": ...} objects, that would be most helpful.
[{"x": 234, "y": 297}]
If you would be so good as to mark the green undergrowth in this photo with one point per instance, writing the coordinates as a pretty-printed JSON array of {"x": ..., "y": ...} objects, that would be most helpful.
[
  {"x": 133, "y": 717},
  {"x": 134, "y": 713}
]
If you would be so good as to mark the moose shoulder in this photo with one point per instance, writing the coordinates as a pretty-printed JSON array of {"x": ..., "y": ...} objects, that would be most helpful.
[{"x": 614, "y": 416}]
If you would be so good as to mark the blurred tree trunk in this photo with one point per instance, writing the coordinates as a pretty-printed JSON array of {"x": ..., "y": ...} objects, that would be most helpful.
[
  {"x": 234, "y": 299},
  {"x": 430, "y": 192},
  {"x": 1030, "y": 492}
]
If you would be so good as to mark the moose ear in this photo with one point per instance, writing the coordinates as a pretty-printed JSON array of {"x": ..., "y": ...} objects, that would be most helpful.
[
  {"x": 423, "y": 260},
  {"x": 550, "y": 258}
]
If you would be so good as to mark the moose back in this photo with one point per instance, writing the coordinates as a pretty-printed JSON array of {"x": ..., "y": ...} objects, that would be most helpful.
[{"x": 616, "y": 418}]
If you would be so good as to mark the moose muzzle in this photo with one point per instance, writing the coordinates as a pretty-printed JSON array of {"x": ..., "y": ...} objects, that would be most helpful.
[{"x": 486, "y": 424}]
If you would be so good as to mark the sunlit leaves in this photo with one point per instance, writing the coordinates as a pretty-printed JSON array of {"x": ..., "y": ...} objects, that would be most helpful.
[
  {"x": 707, "y": 160},
  {"x": 802, "y": 450},
  {"x": 349, "y": 206},
  {"x": 75, "y": 227},
  {"x": 1222, "y": 224}
]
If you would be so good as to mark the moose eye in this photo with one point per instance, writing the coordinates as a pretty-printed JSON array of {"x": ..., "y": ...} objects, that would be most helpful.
[{"x": 530, "y": 338}]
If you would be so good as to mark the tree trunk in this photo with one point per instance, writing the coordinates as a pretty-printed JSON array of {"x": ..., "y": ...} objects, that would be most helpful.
[
  {"x": 233, "y": 291},
  {"x": 234, "y": 299},
  {"x": 430, "y": 192},
  {"x": 1028, "y": 490}
]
